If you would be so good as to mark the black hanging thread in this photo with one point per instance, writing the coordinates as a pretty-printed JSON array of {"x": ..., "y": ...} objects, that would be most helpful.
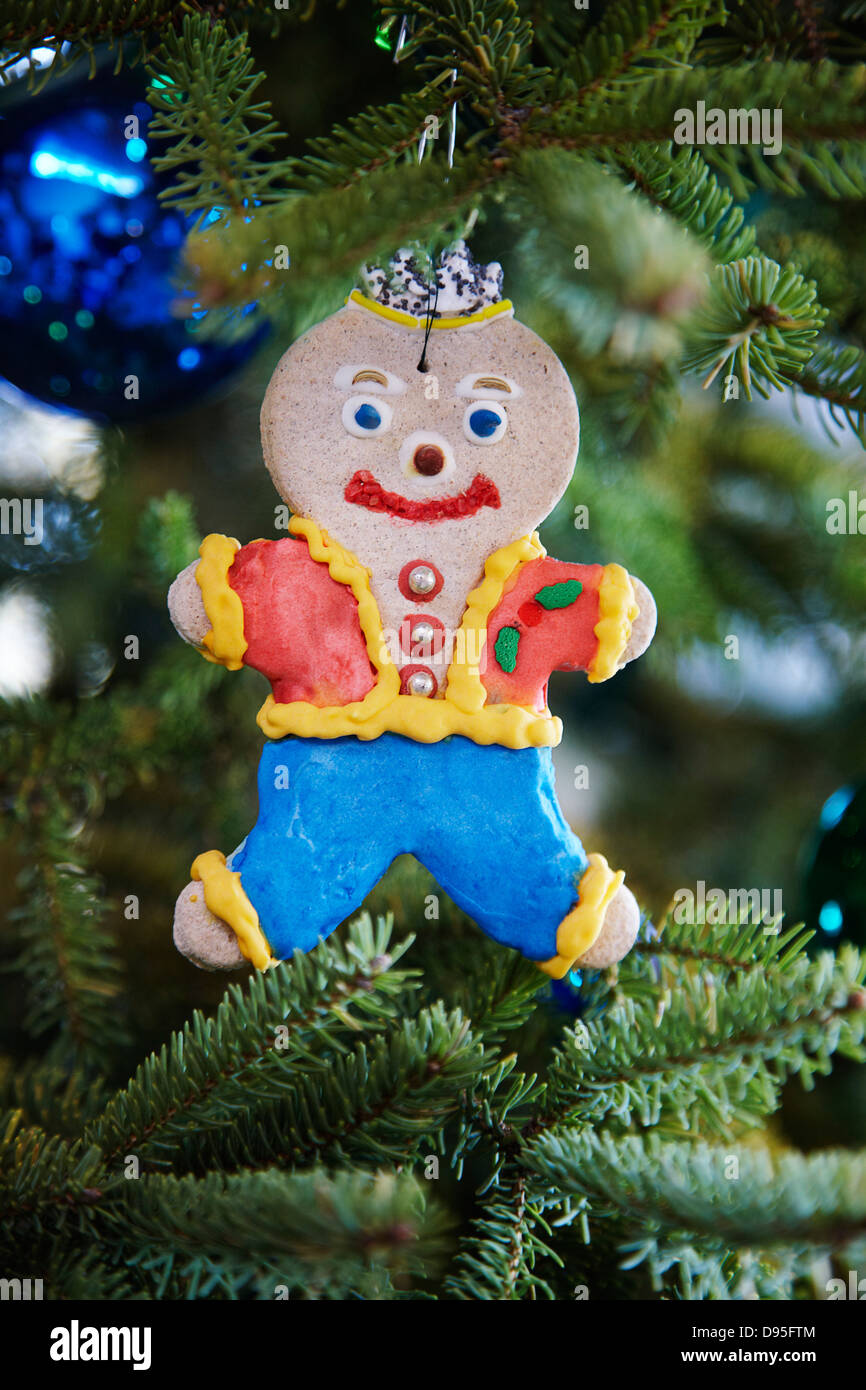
[{"x": 423, "y": 365}]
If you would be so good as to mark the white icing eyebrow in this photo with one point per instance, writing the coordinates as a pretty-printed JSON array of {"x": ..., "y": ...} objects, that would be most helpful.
[
  {"x": 488, "y": 386},
  {"x": 367, "y": 377}
]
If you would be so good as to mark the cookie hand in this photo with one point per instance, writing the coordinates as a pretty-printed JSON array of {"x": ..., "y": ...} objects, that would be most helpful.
[
  {"x": 644, "y": 626},
  {"x": 186, "y": 608}
]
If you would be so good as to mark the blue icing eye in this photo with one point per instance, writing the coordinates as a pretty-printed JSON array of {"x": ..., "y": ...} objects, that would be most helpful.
[
  {"x": 484, "y": 423},
  {"x": 368, "y": 417}
]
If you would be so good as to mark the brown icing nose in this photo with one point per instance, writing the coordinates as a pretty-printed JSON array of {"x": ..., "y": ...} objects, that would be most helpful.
[{"x": 428, "y": 459}]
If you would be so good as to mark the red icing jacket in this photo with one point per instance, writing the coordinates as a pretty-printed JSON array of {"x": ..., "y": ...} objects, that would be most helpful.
[{"x": 301, "y": 612}]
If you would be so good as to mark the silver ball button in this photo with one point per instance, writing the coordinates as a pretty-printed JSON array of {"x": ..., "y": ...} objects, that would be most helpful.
[
  {"x": 422, "y": 580},
  {"x": 421, "y": 683},
  {"x": 422, "y": 634}
]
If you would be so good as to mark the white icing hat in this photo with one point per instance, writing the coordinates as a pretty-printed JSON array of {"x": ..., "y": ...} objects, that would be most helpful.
[{"x": 465, "y": 288}]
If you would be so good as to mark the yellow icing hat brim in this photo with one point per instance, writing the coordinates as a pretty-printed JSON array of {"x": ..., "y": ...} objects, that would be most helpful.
[{"x": 490, "y": 311}]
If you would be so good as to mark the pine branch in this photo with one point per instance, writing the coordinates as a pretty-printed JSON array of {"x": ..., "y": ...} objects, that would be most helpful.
[
  {"x": 724, "y": 949},
  {"x": 643, "y": 275},
  {"x": 770, "y": 30},
  {"x": 758, "y": 323},
  {"x": 558, "y": 29},
  {"x": 330, "y": 234},
  {"x": 497, "y": 991},
  {"x": 314, "y": 1235},
  {"x": 836, "y": 375},
  {"x": 489, "y": 43},
  {"x": 82, "y": 25},
  {"x": 67, "y": 958},
  {"x": 218, "y": 1067},
  {"x": 46, "y": 1184},
  {"x": 50, "y": 1096},
  {"x": 680, "y": 181},
  {"x": 498, "y": 1261},
  {"x": 706, "y": 1054},
  {"x": 387, "y": 1100},
  {"x": 823, "y": 107},
  {"x": 498, "y": 1112},
  {"x": 374, "y": 139},
  {"x": 630, "y": 40},
  {"x": 762, "y": 1200},
  {"x": 202, "y": 85}
]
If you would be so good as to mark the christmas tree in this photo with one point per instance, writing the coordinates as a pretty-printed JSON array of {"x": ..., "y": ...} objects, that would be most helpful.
[{"x": 411, "y": 1111}]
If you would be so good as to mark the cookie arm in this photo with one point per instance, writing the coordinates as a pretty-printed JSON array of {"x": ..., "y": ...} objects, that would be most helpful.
[
  {"x": 205, "y": 608},
  {"x": 644, "y": 625},
  {"x": 617, "y": 610},
  {"x": 186, "y": 609},
  {"x": 626, "y": 622}
]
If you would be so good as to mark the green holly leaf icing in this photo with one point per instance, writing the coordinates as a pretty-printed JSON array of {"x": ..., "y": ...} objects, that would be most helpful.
[
  {"x": 505, "y": 649},
  {"x": 559, "y": 595}
]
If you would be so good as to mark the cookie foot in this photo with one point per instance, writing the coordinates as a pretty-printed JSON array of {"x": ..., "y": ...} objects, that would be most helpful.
[
  {"x": 203, "y": 937},
  {"x": 618, "y": 933}
]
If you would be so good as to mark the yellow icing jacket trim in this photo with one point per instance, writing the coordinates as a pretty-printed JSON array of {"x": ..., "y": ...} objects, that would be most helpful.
[
  {"x": 617, "y": 611},
  {"x": 384, "y": 709},
  {"x": 577, "y": 932},
  {"x": 463, "y": 708},
  {"x": 225, "y": 642},
  {"x": 227, "y": 900}
]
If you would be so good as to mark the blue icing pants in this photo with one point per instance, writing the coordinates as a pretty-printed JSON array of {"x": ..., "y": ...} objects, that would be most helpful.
[{"x": 334, "y": 813}]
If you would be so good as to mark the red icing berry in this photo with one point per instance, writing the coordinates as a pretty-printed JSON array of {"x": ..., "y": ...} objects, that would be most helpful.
[{"x": 531, "y": 613}]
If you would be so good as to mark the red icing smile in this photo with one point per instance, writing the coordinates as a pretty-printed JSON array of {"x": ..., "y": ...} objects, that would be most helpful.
[{"x": 364, "y": 491}]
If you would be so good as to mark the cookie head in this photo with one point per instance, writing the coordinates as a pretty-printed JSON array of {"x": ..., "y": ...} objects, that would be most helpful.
[{"x": 475, "y": 450}]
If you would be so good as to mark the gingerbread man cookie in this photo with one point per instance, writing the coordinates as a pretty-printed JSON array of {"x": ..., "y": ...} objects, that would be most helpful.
[{"x": 408, "y": 625}]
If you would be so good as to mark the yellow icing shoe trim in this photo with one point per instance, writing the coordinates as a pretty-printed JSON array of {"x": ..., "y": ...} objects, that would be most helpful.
[
  {"x": 577, "y": 932},
  {"x": 490, "y": 311},
  {"x": 465, "y": 686},
  {"x": 383, "y": 709},
  {"x": 227, "y": 900},
  {"x": 617, "y": 611},
  {"x": 225, "y": 642}
]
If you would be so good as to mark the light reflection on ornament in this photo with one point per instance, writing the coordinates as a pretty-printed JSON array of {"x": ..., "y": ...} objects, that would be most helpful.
[
  {"x": 835, "y": 807},
  {"x": 84, "y": 233},
  {"x": 47, "y": 165},
  {"x": 26, "y": 655},
  {"x": 830, "y": 918},
  {"x": 47, "y": 449},
  {"x": 93, "y": 667}
]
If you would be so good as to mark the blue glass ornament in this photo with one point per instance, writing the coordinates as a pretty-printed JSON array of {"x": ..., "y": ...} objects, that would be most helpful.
[
  {"x": 566, "y": 993},
  {"x": 87, "y": 260},
  {"x": 68, "y": 527},
  {"x": 835, "y": 877}
]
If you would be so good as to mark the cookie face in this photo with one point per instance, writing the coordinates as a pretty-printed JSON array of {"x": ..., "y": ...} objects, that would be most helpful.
[{"x": 394, "y": 462}]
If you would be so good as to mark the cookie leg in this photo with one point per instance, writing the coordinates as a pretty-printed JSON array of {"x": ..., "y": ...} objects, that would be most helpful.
[
  {"x": 504, "y": 851},
  {"x": 321, "y": 842}
]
